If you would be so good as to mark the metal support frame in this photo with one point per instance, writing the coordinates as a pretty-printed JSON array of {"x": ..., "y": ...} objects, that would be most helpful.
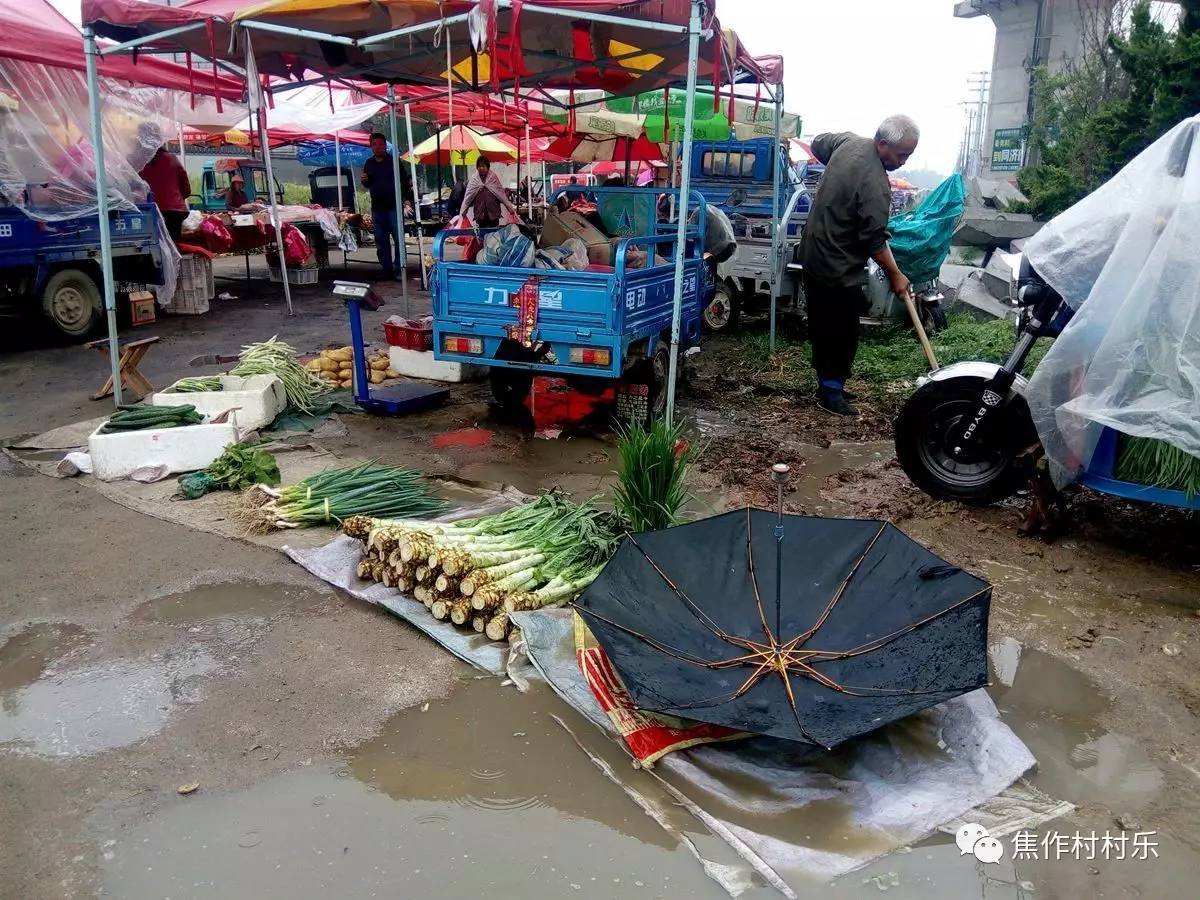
[
  {"x": 126, "y": 46},
  {"x": 685, "y": 186},
  {"x": 337, "y": 164},
  {"x": 402, "y": 262},
  {"x": 776, "y": 239},
  {"x": 528, "y": 169},
  {"x": 412, "y": 169},
  {"x": 91, "y": 54},
  {"x": 255, "y": 98}
]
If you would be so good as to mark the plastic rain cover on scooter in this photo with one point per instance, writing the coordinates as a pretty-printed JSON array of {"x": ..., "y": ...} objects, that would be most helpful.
[{"x": 1125, "y": 259}]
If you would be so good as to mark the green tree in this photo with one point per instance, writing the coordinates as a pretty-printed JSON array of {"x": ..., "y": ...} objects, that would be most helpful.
[{"x": 1091, "y": 121}]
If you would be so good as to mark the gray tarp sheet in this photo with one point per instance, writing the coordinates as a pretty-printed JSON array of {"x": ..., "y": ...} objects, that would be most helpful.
[{"x": 773, "y": 801}]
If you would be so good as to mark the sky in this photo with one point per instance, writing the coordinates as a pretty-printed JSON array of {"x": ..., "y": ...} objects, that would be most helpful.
[{"x": 848, "y": 64}]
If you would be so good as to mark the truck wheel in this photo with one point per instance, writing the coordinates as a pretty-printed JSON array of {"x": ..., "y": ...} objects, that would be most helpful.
[
  {"x": 723, "y": 311},
  {"x": 72, "y": 302},
  {"x": 658, "y": 368},
  {"x": 510, "y": 388}
]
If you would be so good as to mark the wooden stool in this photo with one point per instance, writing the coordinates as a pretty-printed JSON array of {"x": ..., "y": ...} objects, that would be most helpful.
[{"x": 131, "y": 354}]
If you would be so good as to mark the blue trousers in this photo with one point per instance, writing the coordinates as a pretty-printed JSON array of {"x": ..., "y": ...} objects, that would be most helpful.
[{"x": 386, "y": 229}]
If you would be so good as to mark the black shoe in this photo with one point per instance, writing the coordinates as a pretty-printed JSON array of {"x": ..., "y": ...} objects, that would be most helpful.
[
  {"x": 836, "y": 404},
  {"x": 849, "y": 396}
]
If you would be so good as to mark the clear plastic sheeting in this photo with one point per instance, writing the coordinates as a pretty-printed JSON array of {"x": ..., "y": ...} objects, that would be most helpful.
[
  {"x": 1125, "y": 258},
  {"x": 47, "y": 165}
]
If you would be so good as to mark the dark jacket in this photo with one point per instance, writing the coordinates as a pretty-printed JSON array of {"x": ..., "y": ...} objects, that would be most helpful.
[
  {"x": 382, "y": 185},
  {"x": 848, "y": 221}
]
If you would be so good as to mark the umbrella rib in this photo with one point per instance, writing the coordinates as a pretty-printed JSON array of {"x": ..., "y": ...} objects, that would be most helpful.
[
  {"x": 659, "y": 645},
  {"x": 827, "y": 655},
  {"x": 787, "y": 686},
  {"x": 696, "y": 610},
  {"x": 798, "y": 640},
  {"x": 762, "y": 613}
]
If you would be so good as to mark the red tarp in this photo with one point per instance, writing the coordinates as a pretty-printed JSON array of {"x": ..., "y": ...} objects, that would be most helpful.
[
  {"x": 520, "y": 46},
  {"x": 34, "y": 31}
]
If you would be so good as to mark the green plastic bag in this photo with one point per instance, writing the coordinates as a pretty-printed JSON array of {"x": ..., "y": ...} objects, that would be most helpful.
[{"x": 921, "y": 238}]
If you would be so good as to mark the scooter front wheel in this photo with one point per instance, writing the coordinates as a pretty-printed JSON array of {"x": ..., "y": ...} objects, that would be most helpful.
[{"x": 925, "y": 436}]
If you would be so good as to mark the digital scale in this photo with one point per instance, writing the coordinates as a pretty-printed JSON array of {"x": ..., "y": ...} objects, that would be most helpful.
[{"x": 394, "y": 399}]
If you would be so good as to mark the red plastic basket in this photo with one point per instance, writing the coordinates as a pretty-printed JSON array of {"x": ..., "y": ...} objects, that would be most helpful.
[{"x": 411, "y": 337}]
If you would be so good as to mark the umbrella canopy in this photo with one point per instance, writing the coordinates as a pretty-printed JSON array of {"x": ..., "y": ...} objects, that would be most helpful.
[
  {"x": 585, "y": 149},
  {"x": 867, "y": 626},
  {"x": 459, "y": 146}
]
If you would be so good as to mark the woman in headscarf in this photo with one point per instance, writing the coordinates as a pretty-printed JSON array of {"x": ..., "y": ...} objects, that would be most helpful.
[{"x": 485, "y": 195}]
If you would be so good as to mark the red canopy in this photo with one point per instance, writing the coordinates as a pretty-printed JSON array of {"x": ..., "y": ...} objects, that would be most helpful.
[{"x": 36, "y": 32}]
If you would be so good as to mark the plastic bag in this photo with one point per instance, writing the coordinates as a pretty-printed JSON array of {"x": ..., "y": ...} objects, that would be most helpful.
[
  {"x": 459, "y": 223},
  {"x": 921, "y": 238},
  {"x": 1125, "y": 258},
  {"x": 507, "y": 247},
  {"x": 216, "y": 236},
  {"x": 572, "y": 255},
  {"x": 295, "y": 245},
  {"x": 720, "y": 242},
  {"x": 347, "y": 242}
]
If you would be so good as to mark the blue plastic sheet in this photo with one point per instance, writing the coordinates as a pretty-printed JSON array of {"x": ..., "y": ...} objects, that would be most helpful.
[
  {"x": 921, "y": 238},
  {"x": 323, "y": 153}
]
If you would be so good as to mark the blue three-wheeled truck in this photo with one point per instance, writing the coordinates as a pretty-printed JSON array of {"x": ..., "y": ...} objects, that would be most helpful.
[{"x": 610, "y": 321}]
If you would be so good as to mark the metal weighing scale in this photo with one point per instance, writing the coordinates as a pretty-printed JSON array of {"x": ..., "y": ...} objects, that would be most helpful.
[{"x": 409, "y": 396}]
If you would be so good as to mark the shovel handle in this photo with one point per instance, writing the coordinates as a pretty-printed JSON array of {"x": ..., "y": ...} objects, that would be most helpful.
[{"x": 920, "y": 329}]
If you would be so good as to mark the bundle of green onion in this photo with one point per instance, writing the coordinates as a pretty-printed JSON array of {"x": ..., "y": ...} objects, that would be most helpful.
[
  {"x": 274, "y": 357},
  {"x": 477, "y": 572},
  {"x": 331, "y": 496},
  {"x": 651, "y": 481}
]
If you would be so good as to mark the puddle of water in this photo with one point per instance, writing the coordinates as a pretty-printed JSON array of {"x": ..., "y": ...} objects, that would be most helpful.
[
  {"x": 821, "y": 462},
  {"x": 481, "y": 795},
  {"x": 220, "y": 609},
  {"x": 27, "y": 654},
  {"x": 1055, "y": 710},
  {"x": 580, "y": 465},
  {"x": 99, "y": 707}
]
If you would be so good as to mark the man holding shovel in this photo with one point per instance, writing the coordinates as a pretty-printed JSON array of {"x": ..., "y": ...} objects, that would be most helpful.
[{"x": 847, "y": 225}]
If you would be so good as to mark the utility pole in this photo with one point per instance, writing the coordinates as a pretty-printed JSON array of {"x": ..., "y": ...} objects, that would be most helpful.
[{"x": 975, "y": 135}]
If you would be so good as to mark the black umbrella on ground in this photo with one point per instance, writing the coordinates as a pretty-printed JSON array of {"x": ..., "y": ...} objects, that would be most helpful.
[{"x": 867, "y": 626}]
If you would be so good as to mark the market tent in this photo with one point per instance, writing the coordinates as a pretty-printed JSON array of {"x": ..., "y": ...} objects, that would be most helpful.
[
  {"x": 587, "y": 149},
  {"x": 616, "y": 45},
  {"x": 620, "y": 46}
]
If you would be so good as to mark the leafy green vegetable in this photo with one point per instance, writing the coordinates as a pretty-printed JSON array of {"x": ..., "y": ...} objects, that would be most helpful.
[{"x": 242, "y": 465}]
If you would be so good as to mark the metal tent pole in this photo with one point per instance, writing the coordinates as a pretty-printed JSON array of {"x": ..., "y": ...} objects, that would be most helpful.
[
  {"x": 396, "y": 185},
  {"x": 182, "y": 149},
  {"x": 529, "y": 169},
  {"x": 254, "y": 94},
  {"x": 685, "y": 184},
  {"x": 90, "y": 53},
  {"x": 412, "y": 167},
  {"x": 776, "y": 240},
  {"x": 337, "y": 164}
]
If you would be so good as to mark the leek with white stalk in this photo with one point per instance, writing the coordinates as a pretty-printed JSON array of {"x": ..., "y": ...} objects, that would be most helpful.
[{"x": 474, "y": 573}]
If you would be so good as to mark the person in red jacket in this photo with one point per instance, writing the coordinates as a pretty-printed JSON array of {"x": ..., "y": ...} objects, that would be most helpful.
[{"x": 169, "y": 183}]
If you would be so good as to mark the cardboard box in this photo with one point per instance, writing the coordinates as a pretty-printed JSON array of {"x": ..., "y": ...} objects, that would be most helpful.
[
  {"x": 562, "y": 225},
  {"x": 141, "y": 308}
]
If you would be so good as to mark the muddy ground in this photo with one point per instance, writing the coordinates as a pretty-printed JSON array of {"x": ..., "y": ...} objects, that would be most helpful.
[{"x": 339, "y": 753}]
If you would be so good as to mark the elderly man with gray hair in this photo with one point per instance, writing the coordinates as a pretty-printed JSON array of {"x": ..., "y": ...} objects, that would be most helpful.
[{"x": 846, "y": 226}]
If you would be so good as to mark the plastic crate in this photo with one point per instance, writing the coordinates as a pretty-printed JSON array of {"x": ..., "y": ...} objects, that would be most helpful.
[
  {"x": 1100, "y": 476},
  {"x": 296, "y": 276},
  {"x": 413, "y": 336},
  {"x": 194, "y": 287}
]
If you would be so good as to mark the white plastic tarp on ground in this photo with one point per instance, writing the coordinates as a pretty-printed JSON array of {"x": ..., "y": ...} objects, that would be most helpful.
[
  {"x": 782, "y": 806},
  {"x": 1125, "y": 258}
]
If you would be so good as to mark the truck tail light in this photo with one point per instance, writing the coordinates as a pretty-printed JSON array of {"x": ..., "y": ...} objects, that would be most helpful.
[
  {"x": 590, "y": 356},
  {"x": 469, "y": 345}
]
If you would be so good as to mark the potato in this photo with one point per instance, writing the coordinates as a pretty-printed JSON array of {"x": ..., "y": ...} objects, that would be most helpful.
[
  {"x": 313, "y": 365},
  {"x": 328, "y": 365},
  {"x": 379, "y": 362},
  {"x": 346, "y": 382},
  {"x": 391, "y": 373},
  {"x": 375, "y": 376},
  {"x": 342, "y": 354}
]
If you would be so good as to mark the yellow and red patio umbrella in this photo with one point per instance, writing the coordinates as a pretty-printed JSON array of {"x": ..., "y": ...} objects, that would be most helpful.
[{"x": 460, "y": 146}]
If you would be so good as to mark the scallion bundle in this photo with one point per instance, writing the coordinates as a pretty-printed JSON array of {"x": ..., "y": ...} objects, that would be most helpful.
[
  {"x": 274, "y": 357},
  {"x": 331, "y": 496}
]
